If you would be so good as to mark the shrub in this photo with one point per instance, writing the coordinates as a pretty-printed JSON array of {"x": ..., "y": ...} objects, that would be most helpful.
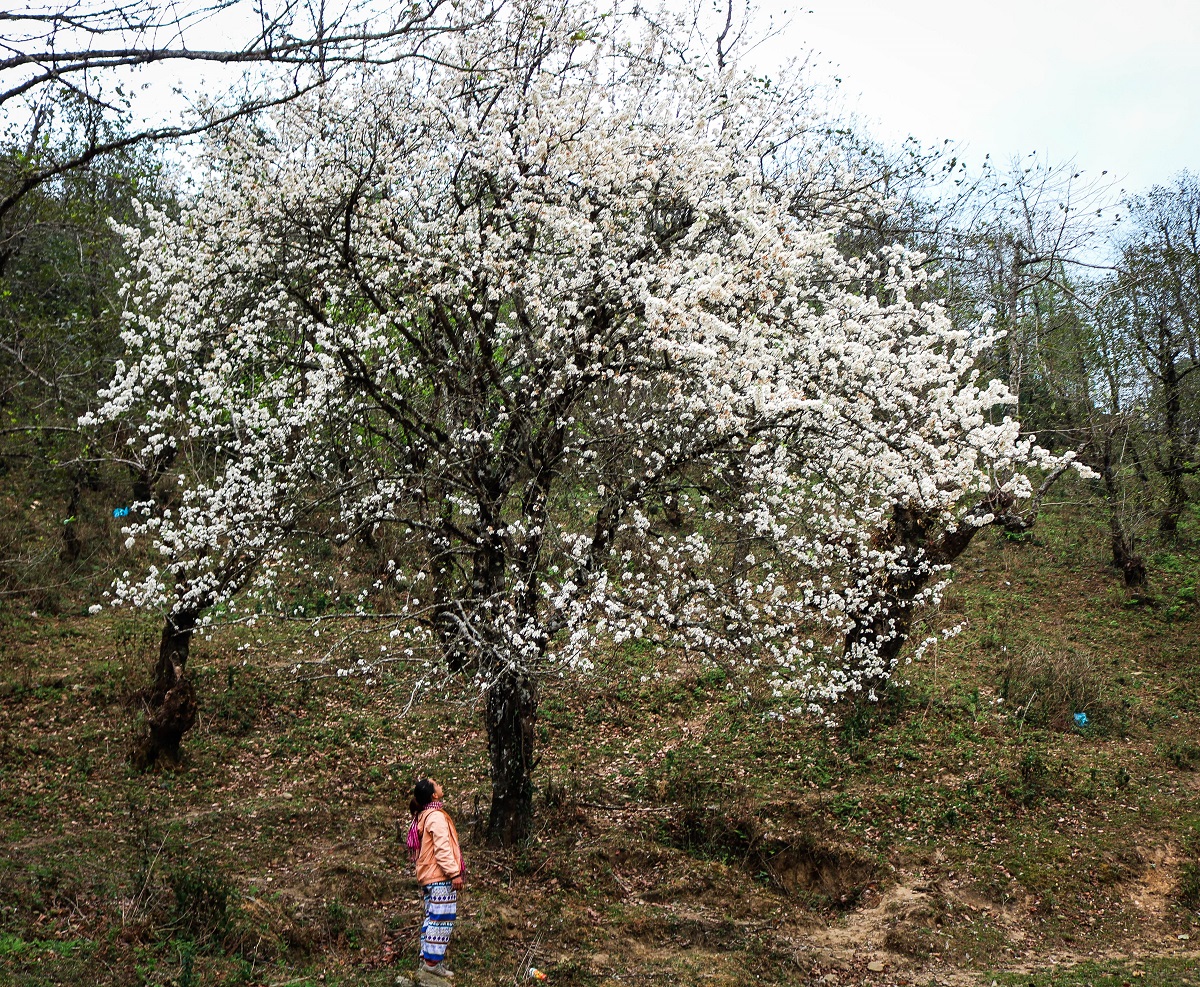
[
  {"x": 1181, "y": 754},
  {"x": 202, "y": 900},
  {"x": 1047, "y": 688},
  {"x": 712, "y": 816}
]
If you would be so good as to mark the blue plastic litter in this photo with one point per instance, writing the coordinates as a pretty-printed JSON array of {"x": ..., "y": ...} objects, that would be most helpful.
[{"x": 1081, "y": 719}]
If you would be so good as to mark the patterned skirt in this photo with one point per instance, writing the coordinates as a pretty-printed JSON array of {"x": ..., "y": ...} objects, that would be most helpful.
[{"x": 441, "y": 909}]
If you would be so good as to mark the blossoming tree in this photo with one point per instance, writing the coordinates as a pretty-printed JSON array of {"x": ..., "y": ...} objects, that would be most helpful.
[
  {"x": 233, "y": 459},
  {"x": 553, "y": 312}
]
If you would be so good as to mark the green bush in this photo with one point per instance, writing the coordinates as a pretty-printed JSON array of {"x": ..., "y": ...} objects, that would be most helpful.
[
  {"x": 712, "y": 817},
  {"x": 1180, "y": 754}
]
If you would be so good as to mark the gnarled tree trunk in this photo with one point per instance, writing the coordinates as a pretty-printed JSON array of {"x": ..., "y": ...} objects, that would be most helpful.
[
  {"x": 511, "y": 718},
  {"x": 1126, "y": 559},
  {"x": 170, "y": 702},
  {"x": 1175, "y": 467},
  {"x": 72, "y": 544},
  {"x": 884, "y": 631}
]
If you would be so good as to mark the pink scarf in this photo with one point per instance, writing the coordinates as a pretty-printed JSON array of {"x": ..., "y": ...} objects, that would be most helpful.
[{"x": 414, "y": 834}]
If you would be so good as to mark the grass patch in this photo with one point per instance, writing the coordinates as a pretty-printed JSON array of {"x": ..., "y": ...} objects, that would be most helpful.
[{"x": 1161, "y": 972}]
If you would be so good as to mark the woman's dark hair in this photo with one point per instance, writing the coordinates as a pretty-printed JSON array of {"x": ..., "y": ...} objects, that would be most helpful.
[{"x": 422, "y": 795}]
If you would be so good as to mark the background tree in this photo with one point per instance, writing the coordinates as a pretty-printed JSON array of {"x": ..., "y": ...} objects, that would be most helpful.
[
  {"x": 1158, "y": 291},
  {"x": 1030, "y": 249},
  {"x": 77, "y": 149},
  {"x": 58, "y": 339},
  {"x": 66, "y": 71}
]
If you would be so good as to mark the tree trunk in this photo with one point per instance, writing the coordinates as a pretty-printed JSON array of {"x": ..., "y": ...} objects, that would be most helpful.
[
  {"x": 511, "y": 717},
  {"x": 146, "y": 476},
  {"x": 1176, "y": 451},
  {"x": 143, "y": 486},
  {"x": 742, "y": 532},
  {"x": 1125, "y": 557},
  {"x": 72, "y": 544},
  {"x": 883, "y": 632},
  {"x": 1168, "y": 522},
  {"x": 170, "y": 702},
  {"x": 881, "y": 636}
]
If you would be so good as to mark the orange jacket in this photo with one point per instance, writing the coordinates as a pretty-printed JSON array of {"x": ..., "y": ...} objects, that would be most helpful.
[{"x": 440, "y": 857}]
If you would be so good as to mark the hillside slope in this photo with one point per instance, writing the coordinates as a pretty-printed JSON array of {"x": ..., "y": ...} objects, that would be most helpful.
[{"x": 966, "y": 830}]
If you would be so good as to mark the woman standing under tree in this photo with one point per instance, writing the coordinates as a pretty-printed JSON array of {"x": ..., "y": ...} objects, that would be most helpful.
[{"x": 433, "y": 845}]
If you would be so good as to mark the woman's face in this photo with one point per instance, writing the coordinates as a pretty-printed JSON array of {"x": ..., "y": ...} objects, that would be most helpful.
[{"x": 437, "y": 790}]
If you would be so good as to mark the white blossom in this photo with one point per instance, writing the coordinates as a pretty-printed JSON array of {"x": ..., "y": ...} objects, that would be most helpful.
[{"x": 574, "y": 327}]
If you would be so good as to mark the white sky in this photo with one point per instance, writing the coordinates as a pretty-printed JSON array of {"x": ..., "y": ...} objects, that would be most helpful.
[{"x": 1113, "y": 84}]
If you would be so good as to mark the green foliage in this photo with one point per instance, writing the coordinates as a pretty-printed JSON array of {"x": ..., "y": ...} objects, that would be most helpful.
[
  {"x": 1036, "y": 779},
  {"x": 337, "y": 919},
  {"x": 712, "y": 816},
  {"x": 235, "y": 699},
  {"x": 1182, "y": 754},
  {"x": 864, "y": 714},
  {"x": 59, "y": 337}
]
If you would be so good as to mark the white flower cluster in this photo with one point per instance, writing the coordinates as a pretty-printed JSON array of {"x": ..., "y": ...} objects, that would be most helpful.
[{"x": 567, "y": 317}]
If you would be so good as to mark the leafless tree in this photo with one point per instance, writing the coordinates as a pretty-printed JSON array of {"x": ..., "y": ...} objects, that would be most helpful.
[{"x": 84, "y": 50}]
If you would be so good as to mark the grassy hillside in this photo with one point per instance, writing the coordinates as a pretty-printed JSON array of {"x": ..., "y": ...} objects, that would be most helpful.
[{"x": 965, "y": 831}]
